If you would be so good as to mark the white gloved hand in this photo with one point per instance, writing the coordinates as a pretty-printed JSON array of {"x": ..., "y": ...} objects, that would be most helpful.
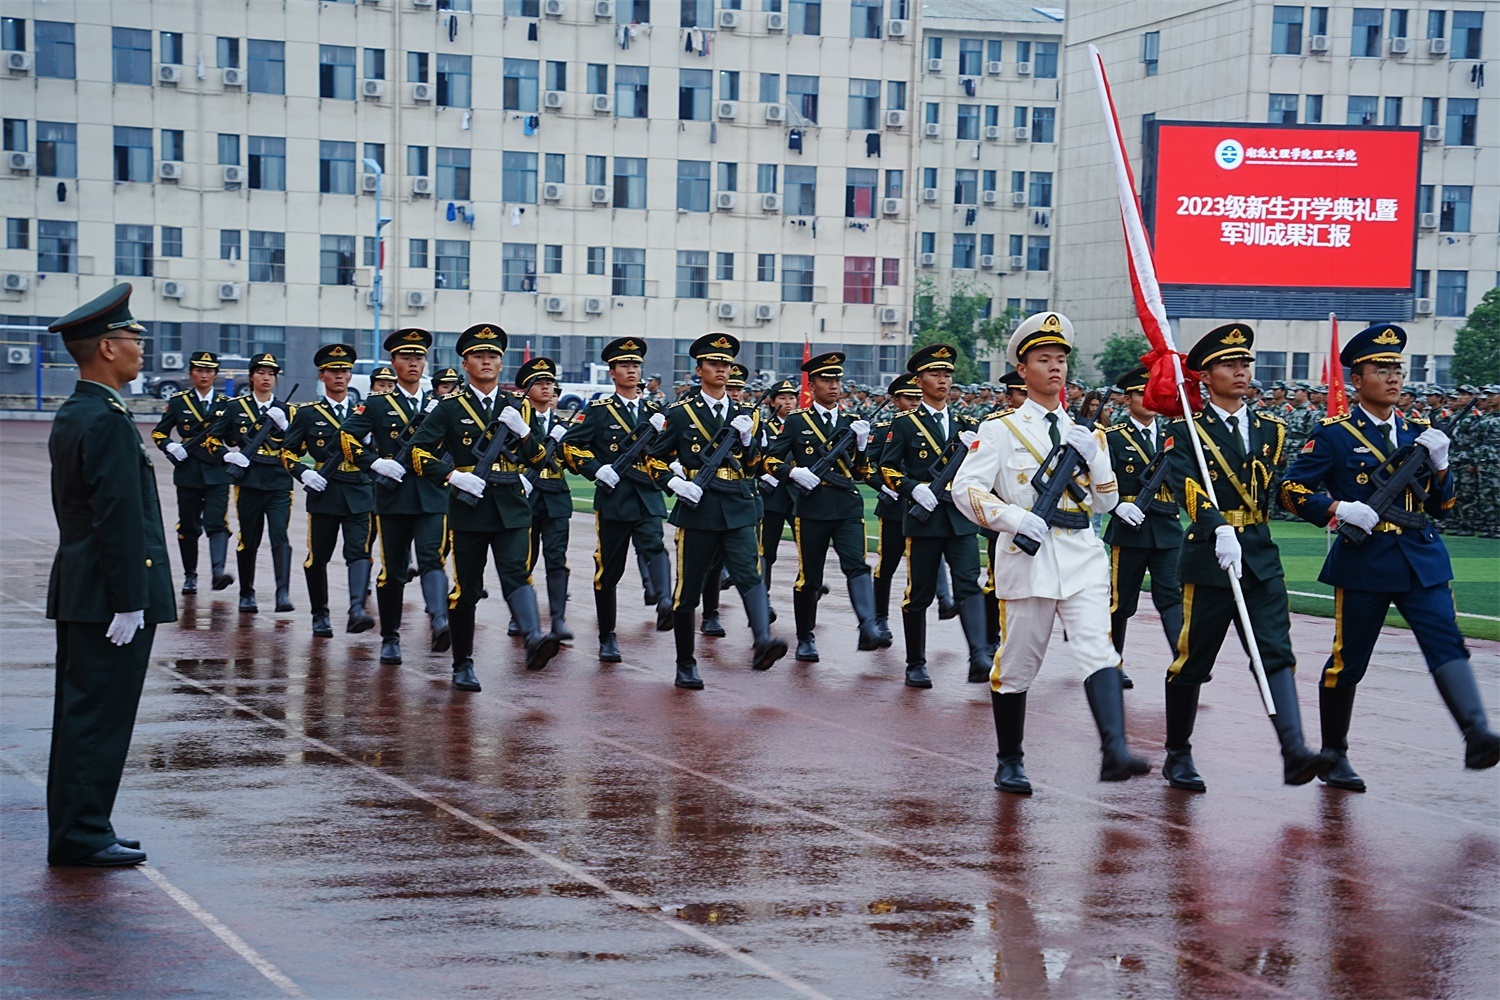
[
  {"x": 235, "y": 458},
  {"x": 658, "y": 420},
  {"x": 124, "y": 625},
  {"x": 967, "y": 438},
  {"x": 1436, "y": 443},
  {"x": 431, "y": 404},
  {"x": 1130, "y": 514},
  {"x": 313, "y": 481},
  {"x": 770, "y": 481},
  {"x": 743, "y": 423},
  {"x": 1361, "y": 515},
  {"x": 558, "y": 431},
  {"x": 861, "y": 429},
  {"x": 608, "y": 476},
  {"x": 677, "y": 469},
  {"x": 1032, "y": 527},
  {"x": 1227, "y": 550},
  {"x": 688, "y": 491},
  {"x": 511, "y": 417},
  {"x": 390, "y": 468},
  {"x": 526, "y": 486},
  {"x": 804, "y": 478},
  {"x": 889, "y": 493},
  {"x": 924, "y": 496},
  {"x": 277, "y": 416},
  {"x": 177, "y": 451},
  {"x": 1083, "y": 441},
  {"x": 468, "y": 482}
]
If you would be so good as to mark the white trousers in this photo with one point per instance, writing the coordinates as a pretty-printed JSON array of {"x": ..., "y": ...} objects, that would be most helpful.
[{"x": 1026, "y": 630}]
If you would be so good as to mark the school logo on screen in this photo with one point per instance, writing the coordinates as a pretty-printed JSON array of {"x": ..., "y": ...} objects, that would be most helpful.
[{"x": 1229, "y": 154}]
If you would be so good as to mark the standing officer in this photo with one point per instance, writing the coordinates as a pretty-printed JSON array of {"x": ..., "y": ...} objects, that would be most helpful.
[
  {"x": 1230, "y": 534},
  {"x": 890, "y": 509},
  {"x": 500, "y": 521},
  {"x": 717, "y": 512},
  {"x": 921, "y": 441},
  {"x": 111, "y": 583},
  {"x": 777, "y": 492},
  {"x": 201, "y": 480},
  {"x": 628, "y": 506},
  {"x": 407, "y": 511},
  {"x": 263, "y": 495},
  {"x": 1144, "y": 532},
  {"x": 1399, "y": 564},
  {"x": 551, "y": 502},
  {"x": 1067, "y": 579},
  {"x": 830, "y": 510},
  {"x": 654, "y": 394},
  {"x": 340, "y": 498}
]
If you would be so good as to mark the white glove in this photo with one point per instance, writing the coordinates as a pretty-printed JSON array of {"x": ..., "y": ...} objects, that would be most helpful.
[
  {"x": 1436, "y": 443},
  {"x": 1130, "y": 514},
  {"x": 124, "y": 625},
  {"x": 468, "y": 482},
  {"x": 1227, "y": 550},
  {"x": 235, "y": 458},
  {"x": 389, "y": 468},
  {"x": 1032, "y": 527},
  {"x": 1361, "y": 515},
  {"x": 771, "y": 481},
  {"x": 177, "y": 451},
  {"x": 861, "y": 429},
  {"x": 677, "y": 469},
  {"x": 658, "y": 420},
  {"x": 558, "y": 431},
  {"x": 314, "y": 482},
  {"x": 923, "y": 495},
  {"x": 967, "y": 438},
  {"x": 511, "y": 417},
  {"x": 277, "y": 416},
  {"x": 889, "y": 493},
  {"x": 685, "y": 489},
  {"x": 431, "y": 405},
  {"x": 608, "y": 476},
  {"x": 805, "y": 478},
  {"x": 1083, "y": 441},
  {"x": 743, "y": 423},
  {"x": 526, "y": 486}
]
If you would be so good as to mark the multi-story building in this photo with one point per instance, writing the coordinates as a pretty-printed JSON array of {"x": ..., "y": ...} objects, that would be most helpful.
[
  {"x": 576, "y": 170},
  {"x": 1351, "y": 62}
]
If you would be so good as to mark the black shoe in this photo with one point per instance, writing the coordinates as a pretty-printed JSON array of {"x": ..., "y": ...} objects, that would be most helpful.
[
  {"x": 463, "y": 676},
  {"x": 512, "y": 629},
  {"x": 1182, "y": 714},
  {"x": 134, "y": 845},
  {"x": 322, "y": 627},
  {"x": 541, "y": 646},
  {"x": 768, "y": 648},
  {"x": 1125, "y": 681},
  {"x": 1299, "y": 764},
  {"x": 1181, "y": 772},
  {"x": 765, "y": 654},
  {"x": 1335, "y": 709},
  {"x": 189, "y": 583},
  {"x": 1010, "y": 776},
  {"x": 248, "y": 605},
  {"x": 807, "y": 649},
  {"x": 1455, "y": 681},
  {"x": 218, "y": 552},
  {"x": 862, "y": 599},
  {"x": 541, "y": 652},
  {"x": 359, "y": 621},
  {"x": 772, "y": 608},
  {"x": 981, "y": 654},
  {"x": 1117, "y": 763},
  {"x": 435, "y": 597},
  {"x": 1009, "y": 711},
  {"x": 281, "y": 562},
  {"x": 223, "y": 581},
  {"x": 916, "y": 677},
  {"x": 113, "y": 856},
  {"x": 687, "y": 677},
  {"x": 1343, "y": 776},
  {"x": 390, "y": 651},
  {"x": 711, "y": 625},
  {"x": 609, "y": 649},
  {"x": 805, "y": 616},
  {"x": 359, "y": 586},
  {"x": 914, "y": 625},
  {"x": 947, "y": 609},
  {"x": 664, "y": 617}
]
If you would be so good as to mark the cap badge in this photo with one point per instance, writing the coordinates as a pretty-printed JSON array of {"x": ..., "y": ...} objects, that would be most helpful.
[
  {"x": 1388, "y": 336},
  {"x": 338, "y": 352},
  {"x": 413, "y": 336},
  {"x": 942, "y": 352},
  {"x": 722, "y": 344},
  {"x": 1051, "y": 324},
  {"x": 1233, "y": 337},
  {"x": 485, "y": 334}
]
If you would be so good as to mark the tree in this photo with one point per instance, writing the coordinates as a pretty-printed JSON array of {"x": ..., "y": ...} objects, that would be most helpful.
[
  {"x": 1476, "y": 352},
  {"x": 959, "y": 320},
  {"x": 1122, "y": 352}
]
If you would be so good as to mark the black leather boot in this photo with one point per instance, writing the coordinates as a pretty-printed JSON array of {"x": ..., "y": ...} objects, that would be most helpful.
[
  {"x": 188, "y": 547},
  {"x": 359, "y": 586},
  {"x": 1107, "y": 700},
  {"x": 218, "y": 551},
  {"x": 768, "y": 648},
  {"x": 862, "y": 599},
  {"x": 648, "y": 585},
  {"x": 981, "y": 656},
  {"x": 317, "y": 596},
  {"x": 661, "y": 582},
  {"x": 805, "y": 615},
  {"x": 1455, "y": 682},
  {"x": 464, "y": 678},
  {"x": 246, "y": 562},
  {"x": 1299, "y": 764},
  {"x": 512, "y": 628},
  {"x": 281, "y": 561},
  {"x": 435, "y": 598},
  {"x": 1335, "y": 709},
  {"x": 604, "y": 612},
  {"x": 914, "y": 624},
  {"x": 991, "y": 619},
  {"x": 388, "y": 602},
  {"x": 461, "y": 625},
  {"x": 1010, "y": 730},
  {"x": 557, "y": 603},
  {"x": 684, "y": 635},
  {"x": 541, "y": 646},
  {"x": 882, "y": 588},
  {"x": 1182, "y": 713},
  {"x": 765, "y": 577},
  {"x": 390, "y": 650}
]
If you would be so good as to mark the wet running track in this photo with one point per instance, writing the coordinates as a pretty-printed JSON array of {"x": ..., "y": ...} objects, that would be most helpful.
[{"x": 324, "y": 826}]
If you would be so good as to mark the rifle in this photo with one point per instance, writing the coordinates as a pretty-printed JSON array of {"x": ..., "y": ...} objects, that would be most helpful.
[
  {"x": 946, "y": 467},
  {"x": 386, "y": 482},
  {"x": 838, "y": 448},
  {"x": 1051, "y": 481},
  {"x": 1393, "y": 478},
  {"x": 197, "y": 439},
  {"x": 719, "y": 451},
  {"x": 534, "y": 474},
  {"x": 635, "y": 442},
  {"x": 262, "y": 431},
  {"x": 1155, "y": 475},
  {"x": 498, "y": 436}
]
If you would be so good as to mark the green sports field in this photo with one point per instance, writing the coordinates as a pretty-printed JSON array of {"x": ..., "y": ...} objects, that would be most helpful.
[{"x": 1476, "y": 568}]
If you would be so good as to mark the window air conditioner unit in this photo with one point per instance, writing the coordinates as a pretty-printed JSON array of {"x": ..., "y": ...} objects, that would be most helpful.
[
  {"x": 555, "y": 304},
  {"x": 22, "y": 163},
  {"x": 888, "y": 315},
  {"x": 728, "y": 310},
  {"x": 728, "y": 109},
  {"x": 1432, "y": 133},
  {"x": 1018, "y": 198},
  {"x": 599, "y": 195},
  {"x": 1023, "y": 133},
  {"x": 16, "y": 282},
  {"x": 229, "y": 291},
  {"x": 234, "y": 76},
  {"x": 987, "y": 261},
  {"x": 554, "y": 8},
  {"x": 171, "y": 289},
  {"x": 552, "y": 191},
  {"x": 993, "y": 67},
  {"x": 932, "y": 129},
  {"x": 934, "y": 65},
  {"x": 890, "y": 206},
  {"x": 18, "y": 62},
  {"x": 169, "y": 74},
  {"x": 422, "y": 93},
  {"x": 593, "y": 305},
  {"x": 369, "y": 182},
  {"x": 1437, "y": 46},
  {"x": 421, "y": 187},
  {"x": 421, "y": 3},
  {"x": 897, "y": 29},
  {"x": 895, "y": 119},
  {"x": 233, "y": 175},
  {"x": 604, "y": 104},
  {"x": 992, "y": 132},
  {"x": 1424, "y": 307},
  {"x": 775, "y": 113},
  {"x": 373, "y": 88},
  {"x": 169, "y": 170},
  {"x": 17, "y": 355},
  {"x": 929, "y": 260},
  {"x": 729, "y": 20},
  {"x": 1318, "y": 43},
  {"x": 554, "y": 99},
  {"x": 1400, "y": 46},
  {"x": 172, "y": 360},
  {"x": 929, "y": 194},
  {"x": 1429, "y": 220},
  {"x": 765, "y": 311},
  {"x": 371, "y": 298},
  {"x": 1017, "y": 263},
  {"x": 418, "y": 299},
  {"x": 989, "y": 197},
  {"x": 1023, "y": 69},
  {"x": 604, "y": 10},
  {"x": 724, "y": 200},
  {"x": 770, "y": 202},
  {"x": 775, "y": 21}
]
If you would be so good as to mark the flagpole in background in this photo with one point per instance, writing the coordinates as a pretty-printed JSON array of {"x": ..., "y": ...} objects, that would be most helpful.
[{"x": 1164, "y": 360}]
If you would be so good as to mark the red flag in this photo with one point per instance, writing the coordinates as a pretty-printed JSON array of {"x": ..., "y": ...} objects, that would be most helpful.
[
  {"x": 1333, "y": 374},
  {"x": 526, "y": 354},
  {"x": 804, "y": 395}
]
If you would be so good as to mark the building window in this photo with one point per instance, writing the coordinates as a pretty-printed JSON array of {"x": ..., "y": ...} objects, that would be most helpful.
[
  {"x": 596, "y": 78},
  {"x": 859, "y": 280},
  {"x": 56, "y": 149},
  {"x": 770, "y": 88},
  {"x": 1317, "y": 23},
  {"x": 227, "y": 52},
  {"x": 453, "y": 173},
  {"x": 729, "y": 85},
  {"x": 416, "y": 67},
  {"x": 1362, "y": 110},
  {"x": 374, "y": 64},
  {"x": 802, "y": 96},
  {"x": 268, "y": 162},
  {"x": 416, "y": 253},
  {"x": 1463, "y": 117},
  {"x": 595, "y": 169},
  {"x": 518, "y": 177},
  {"x": 16, "y": 139},
  {"x": 801, "y": 191},
  {"x": 1456, "y": 201},
  {"x": 1314, "y": 106},
  {"x": 267, "y": 68},
  {"x": 1391, "y": 113},
  {"x": 452, "y": 269},
  {"x": 1270, "y": 365},
  {"x": 934, "y": 46},
  {"x": 453, "y": 81},
  {"x": 229, "y": 244},
  {"x": 519, "y": 90},
  {"x": 692, "y": 274},
  {"x": 552, "y": 258},
  {"x": 930, "y": 177},
  {"x": 806, "y": 17},
  {"x": 765, "y": 267},
  {"x": 1017, "y": 245},
  {"x": 865, "y": 18},
  {"x": 231, "y": 338},
  {"x": 1398, "y": 24},
  {"x": 1468, "y": 31},
  {"x": 895, "y": 95},
  {"x": 336, "y": 260},
  {"x": 723, "y": 266},
  {"x": 173, "y": 145},
  {"x": 965, "y": 187},
  {"x": 1019, "y": 120},
  {"x": 632, "y": 92},
  {"x": 796, "y": 277},
  {"x": 895, "y": 183},
  {"x": 56, "y": 246},
  {"x": 729, "y": 177},
  {"x": 336, "y": 72},
  {"x": 171, "y": 241},
  {"x": 170, "y": 43},
  {"x": 1364, "y": 37},
  {"x": 1452, "y": 293},
  {"x": 765, "y": 178},
  {"x": 1437, "y": 23},
  {"x": 630, "y": 182},
  {"x": 692, "y": 185},
  {"x": 370, "y": 245},
  {"x": 132, "y": 154},
  {"x": 987, "y": 244},
  {"x": 267, "y": 256},
  {"x": 864, "y": 104},
  {"x": 335, "y": 167},
  {"x": 633, "y": 12},
  {"x": 694, "y": 94},
  {"x": 859, "y": 192},
  {"x": 132, "y": 56},
  {"x": 228, "y": 149},
  {"x": 555, "y": 168},
  {"x": 628, "y": 268},
  {"x": 1038, "y": 253},
  {"x": 1286, "y": 31},
  {"x": 970, "y": 57},
  {"x": 267, "y": 340},
  {"x": 375, "y": 151},
  {"x": 54, "y": 50},
  {"x": 963, "y": 251},
  {"x": 594, "y": 260},
  {"x": 1282, "y": 109},
  {"x": 416, "y": 161},
  {"x": 518, "y": 267},
  {"x": 968, "y": 122},
  {"x": 168, "y": 336},
  {"x": 1425, "y": 193},
  {"x": 1041, "y": 189},
  {"x": 1045, "y": 65},
  {"x": 890, "y": 270},
  {"x": 1043, "y": 122},
  {"x": 1151, "y": 50},
  {"x": 134, "y": 248}
]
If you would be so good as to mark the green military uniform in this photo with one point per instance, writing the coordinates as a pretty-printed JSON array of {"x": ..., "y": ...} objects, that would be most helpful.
[
  {"x": 714, "y": 513},
  {"x": 551, "y": 501},
  {"x": 717, "y": 578},
  {"x": 779, "y": 501},
  {"x": 201, "y": 480},
  {"x": 498, "y": 522},
  {"x": 890, "y": 511},
  {"x": 263, "y": 494},
  {"x": 111, "y": 583}
]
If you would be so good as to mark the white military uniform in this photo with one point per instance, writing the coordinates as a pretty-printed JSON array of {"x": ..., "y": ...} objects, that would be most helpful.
[{"x": 1068, "y": 578}]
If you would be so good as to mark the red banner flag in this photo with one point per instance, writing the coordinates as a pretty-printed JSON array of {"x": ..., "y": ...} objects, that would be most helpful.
[
  {"x": 1333, "y": 374},
  {"x": 804, "y": 395}
]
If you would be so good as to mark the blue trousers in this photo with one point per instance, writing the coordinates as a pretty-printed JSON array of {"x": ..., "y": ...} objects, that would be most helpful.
[{"x": 1359, "y": 614}]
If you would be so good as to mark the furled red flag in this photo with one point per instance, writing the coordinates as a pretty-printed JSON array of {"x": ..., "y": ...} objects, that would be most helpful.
[
  {"x": 804, "y": 395},
  {"x": 526, "y": 354},
  {"x": 1333, "y": 374}
]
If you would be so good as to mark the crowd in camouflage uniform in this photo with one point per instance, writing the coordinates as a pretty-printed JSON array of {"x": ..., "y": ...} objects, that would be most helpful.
[{"x": 1473, "y": 424}]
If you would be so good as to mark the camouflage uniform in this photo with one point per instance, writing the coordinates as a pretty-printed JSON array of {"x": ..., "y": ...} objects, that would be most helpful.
[{"x": 1476, "y": 445}]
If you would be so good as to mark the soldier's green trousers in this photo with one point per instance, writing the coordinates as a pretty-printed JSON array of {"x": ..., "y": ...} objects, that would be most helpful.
[{"x": 695, "y": 554}]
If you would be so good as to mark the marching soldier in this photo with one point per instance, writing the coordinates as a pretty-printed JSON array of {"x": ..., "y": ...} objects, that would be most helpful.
[
  {"x": 1143, "y": 532},
  {"x": 777, "y": 492},
  {"x": 628, "y": 507},
  {"x": 717, "y": 577},
  {"x": 654, "y": 394},
  {"x": 890, "y": 510},
  {"x": 830, "y": 509},
  {"x": 922, "y": 441},
  {"x": 263, "y": 495},
  {"x": 1230, "y": 534},
  {"x": 478, "y": 419},
  {"x": 382, "y": 380},
  {"x": 199, "y": 474},
  {"x": 551, "y": 501},
  {"x": 1066, "y": 578},
  {"x": 409, "y": 512},
  {"x": 1015, "y": 389},
  {"x": 1397, "y": 563},
  {"x": 716, "y": 507},
  {"x": 340, "y": 499},
  {"x": 445, "y": 381}
]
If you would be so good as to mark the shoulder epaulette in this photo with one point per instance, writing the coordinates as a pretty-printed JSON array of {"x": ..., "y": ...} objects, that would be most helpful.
[
  {"x": 680, "y": 402},
  {"x": 181, "y": 392},
  {"x": 1115, "y": 427},
  {"x": 1334, "y": 419},
  {"x": 1419, "y": 421},
  {"x": 996, "y": 415},
  {"x": 601, "y": 401},
  {"x": 1271, "y": 417},
  {"x": 800, "y": 409}
]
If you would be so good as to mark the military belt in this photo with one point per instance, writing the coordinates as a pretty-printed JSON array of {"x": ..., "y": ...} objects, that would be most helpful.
[{"x": 1242, "y": 518}]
